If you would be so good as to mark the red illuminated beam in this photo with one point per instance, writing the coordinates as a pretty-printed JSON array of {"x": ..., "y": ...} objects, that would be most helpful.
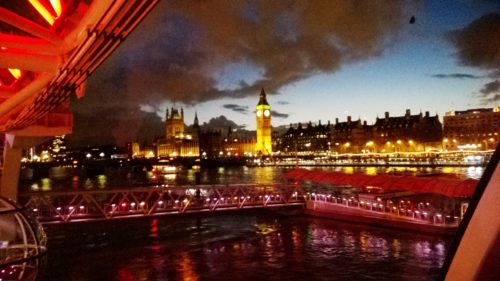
[
  {"x": 28, "y": 26},
  {"x": 16, "y": 73},
  {"x": 56, "y": 5},
  {"x": 29, "y": 44},
  {"x": 28, "y": 61},
  {"x": 42, "y": 10}
]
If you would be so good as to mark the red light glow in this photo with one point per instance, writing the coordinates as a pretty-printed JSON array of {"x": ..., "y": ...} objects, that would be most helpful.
[{"x": 154, "y": 228}]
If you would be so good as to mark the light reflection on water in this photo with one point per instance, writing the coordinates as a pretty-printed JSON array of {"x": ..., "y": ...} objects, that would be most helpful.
[
  {"x": 474, "y": 172},
  {"x": 254, "y": 246},
  {"x": 46, "y": 184},
  {"x": 122, "y": 178}
]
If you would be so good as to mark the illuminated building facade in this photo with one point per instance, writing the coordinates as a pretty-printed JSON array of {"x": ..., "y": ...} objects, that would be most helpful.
[
  {"x": 407, "y": 133},
  {"x": 234, "y": 145},
  {"x": 177, "y": 142},
  {"x": 55, "y": 150},
  {"x": 351, "y": 136},
  {"x": 305, "y": 140},
  {"x": 263, "y": 144},
  {"x": 213, "y": 144},
  {"x": 471, "y": 129}
]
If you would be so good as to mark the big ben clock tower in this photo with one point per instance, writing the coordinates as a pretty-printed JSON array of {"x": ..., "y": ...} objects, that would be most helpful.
[{"x": 263, "y": 114}]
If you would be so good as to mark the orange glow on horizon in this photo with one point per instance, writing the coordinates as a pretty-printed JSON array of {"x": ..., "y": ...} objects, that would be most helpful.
[
  {"x": 56, "y": 5},
  {"x": 15, "y": 72},
  {"x": 42, "y": 10}
]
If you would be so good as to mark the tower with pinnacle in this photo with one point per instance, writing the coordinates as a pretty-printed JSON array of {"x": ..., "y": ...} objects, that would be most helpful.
[{"x": 263, "y": 144}]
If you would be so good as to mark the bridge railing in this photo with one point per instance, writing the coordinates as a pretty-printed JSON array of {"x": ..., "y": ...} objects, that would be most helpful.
[{"x": 70, "y": 206}]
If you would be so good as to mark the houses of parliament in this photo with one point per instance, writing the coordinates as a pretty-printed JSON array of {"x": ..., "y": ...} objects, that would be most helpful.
[{"x": 195, "y": 142}]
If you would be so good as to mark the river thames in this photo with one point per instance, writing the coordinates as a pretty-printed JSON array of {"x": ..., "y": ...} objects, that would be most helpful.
[
  {"x": 59, "y": 179},
  {"x": 249, "y": 245}
]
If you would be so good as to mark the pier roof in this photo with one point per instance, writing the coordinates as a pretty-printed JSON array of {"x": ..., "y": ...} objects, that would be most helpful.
[{"x": 439, "y": 184}]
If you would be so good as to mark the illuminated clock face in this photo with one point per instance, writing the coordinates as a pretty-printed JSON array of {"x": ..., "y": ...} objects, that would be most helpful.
[
  {"x": 267, "y": 113},
  {"x": 259, "y": 113}
]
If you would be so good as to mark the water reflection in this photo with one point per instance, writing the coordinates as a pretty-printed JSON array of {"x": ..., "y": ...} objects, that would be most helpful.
[
  {"x": 46, "y": 184},
  {"x": 102, "y": 181},
  {"x": 88, "y": 184},
  {"x": 252, "y": 247},
  {"x": 396, "y": 247},
  {"x": 348, "y": 170},
  {"x": 186, "y": 267},
  {"x": 371, "y": 171},
  {"x": 122, "y": 178},
  {"x": 475, "y": 172},
  {"x": 75, "y": 182}
]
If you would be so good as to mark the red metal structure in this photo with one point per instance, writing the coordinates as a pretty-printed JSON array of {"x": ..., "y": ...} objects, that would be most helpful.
[
  {"x": 49, "y": 47},
  {"x": 47, "y": 50}
]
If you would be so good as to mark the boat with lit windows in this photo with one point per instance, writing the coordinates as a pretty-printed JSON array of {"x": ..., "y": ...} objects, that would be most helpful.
[{"x": 165, "y": 169}]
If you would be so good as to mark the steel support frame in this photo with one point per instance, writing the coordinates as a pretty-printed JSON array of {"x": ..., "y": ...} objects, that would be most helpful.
[{"x": 73, "y": 206}]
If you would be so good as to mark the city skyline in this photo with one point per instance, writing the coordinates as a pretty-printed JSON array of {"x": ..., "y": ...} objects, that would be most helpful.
[{"x": 413, "y": 58}]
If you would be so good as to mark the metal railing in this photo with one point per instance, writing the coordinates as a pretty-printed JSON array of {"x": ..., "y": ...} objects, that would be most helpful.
[
  {"x": 70, "y": 206},
  {"x": 387, "y": 208}
]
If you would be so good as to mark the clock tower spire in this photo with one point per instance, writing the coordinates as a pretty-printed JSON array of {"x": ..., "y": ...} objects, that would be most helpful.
[{"x": 263, "y": 116}]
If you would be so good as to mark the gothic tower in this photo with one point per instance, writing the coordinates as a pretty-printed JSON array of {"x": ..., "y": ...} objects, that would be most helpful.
[
  {"x": 196, "y": 127},
  {"x": 174, "y": 124},
  {"x": 263, "y": 115}
]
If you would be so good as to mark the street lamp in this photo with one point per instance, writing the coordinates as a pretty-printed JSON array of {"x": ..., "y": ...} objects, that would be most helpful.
[
  {"x": 491, "y": 140},
  {"x": 410, "y": 145},
  {"x": 347, "y": 145},
  {"x": 445, "y": 144},
  {"x": 388, "y": 144},
  {"x": 369, "y": 144}
]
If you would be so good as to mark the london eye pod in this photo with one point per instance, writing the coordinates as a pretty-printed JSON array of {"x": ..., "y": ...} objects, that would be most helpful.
[{"x": 22, "y": 242}]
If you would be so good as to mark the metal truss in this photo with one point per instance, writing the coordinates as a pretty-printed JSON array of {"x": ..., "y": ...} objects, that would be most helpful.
[{"x": 71, "y": 206}]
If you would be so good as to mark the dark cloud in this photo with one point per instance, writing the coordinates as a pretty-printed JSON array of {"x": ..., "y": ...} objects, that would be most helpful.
[
  {"x": 456, "y": 76},
  {"x": 115, "y": 126},
  {"x": 477, "y": 43},
  {"x": 283, "y": 102},
  {"x": 221, "y": 123},
  {"x": 491, "y": 88},
  {"x": 178, "y": 51},
  {"x": 491, "y": 99},
  {"x": 477, "y": 46},
  {"x": 279, "y": 115},
  {"x": 490, "y": 93},
  {"x": 237, "y": 108}
]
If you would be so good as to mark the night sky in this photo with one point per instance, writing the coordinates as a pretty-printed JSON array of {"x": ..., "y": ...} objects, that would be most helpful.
[{"x": 317, "y": 60}]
